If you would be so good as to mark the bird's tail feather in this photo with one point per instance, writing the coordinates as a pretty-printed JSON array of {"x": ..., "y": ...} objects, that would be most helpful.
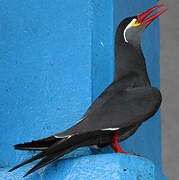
[
  {"x": 39, "y": 145},
  {"x": 38, "y": 156},
  {"x": 55, "y": 151},
  {"x": 50, "y": 158}
]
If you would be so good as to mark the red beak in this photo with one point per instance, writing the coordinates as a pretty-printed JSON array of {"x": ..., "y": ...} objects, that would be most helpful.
[{"x": 142, "y": 17}]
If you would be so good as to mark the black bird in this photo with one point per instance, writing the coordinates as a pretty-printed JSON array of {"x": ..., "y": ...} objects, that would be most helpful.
[{"x": 119, "y": 111}]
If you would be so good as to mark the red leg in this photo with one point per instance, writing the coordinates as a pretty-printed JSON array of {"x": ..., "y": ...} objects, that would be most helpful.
[
  {"x": 115, "y": 145},
  {"x": 119, "y": 150}
]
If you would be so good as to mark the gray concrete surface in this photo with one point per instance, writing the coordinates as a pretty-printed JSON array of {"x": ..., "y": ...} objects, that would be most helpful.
[{"x": 170, "y": 88}]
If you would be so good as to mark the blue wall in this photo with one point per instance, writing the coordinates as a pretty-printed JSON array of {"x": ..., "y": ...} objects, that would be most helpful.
[
  {"x": 45, "y": 80},
  {"x": 56, "y": 57}
]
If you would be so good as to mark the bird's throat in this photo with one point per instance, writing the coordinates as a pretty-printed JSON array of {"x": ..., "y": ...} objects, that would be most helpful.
[{"x": 130, "y": 59}]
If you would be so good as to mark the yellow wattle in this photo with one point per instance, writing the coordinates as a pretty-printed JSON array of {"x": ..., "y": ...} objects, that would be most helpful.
[{"x": 134, "y": 24}]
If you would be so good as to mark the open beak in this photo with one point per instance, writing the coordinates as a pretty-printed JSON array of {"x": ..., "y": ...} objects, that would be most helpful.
[{"x": 142, "y": 17}]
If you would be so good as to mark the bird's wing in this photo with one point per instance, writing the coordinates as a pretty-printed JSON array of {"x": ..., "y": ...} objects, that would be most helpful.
[{"x": 116, "y": 109}]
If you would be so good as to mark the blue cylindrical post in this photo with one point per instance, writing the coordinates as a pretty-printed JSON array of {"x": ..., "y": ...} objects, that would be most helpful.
[{"x": 56, "y": 57}]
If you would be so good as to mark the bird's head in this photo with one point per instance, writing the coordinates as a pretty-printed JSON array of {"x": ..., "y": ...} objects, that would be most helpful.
[{"x": 133, "y": 27}]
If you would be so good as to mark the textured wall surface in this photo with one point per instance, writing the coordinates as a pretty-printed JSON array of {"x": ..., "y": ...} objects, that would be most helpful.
[
  {"x": 97, "y": 167},
  {"x": 170, "y": 88},
  {"x": 45, "y": 70},
  {"x": 56, "y": 58}
]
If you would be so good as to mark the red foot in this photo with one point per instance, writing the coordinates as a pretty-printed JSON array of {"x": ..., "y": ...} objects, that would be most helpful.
[{"x": 115, "y": 145}]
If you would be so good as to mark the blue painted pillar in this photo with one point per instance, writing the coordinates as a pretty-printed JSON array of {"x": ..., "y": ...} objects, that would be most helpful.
[{"x": 56, "y": 57}]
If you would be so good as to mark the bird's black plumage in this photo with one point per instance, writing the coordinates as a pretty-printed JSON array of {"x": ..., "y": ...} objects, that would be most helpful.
[{"x": 122, "y": 107}]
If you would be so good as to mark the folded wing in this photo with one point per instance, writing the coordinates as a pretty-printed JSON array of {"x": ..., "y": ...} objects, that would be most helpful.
[{"x": 117, "y": 108}]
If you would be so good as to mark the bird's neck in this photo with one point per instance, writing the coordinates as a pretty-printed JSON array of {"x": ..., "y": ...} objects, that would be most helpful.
[{"x": 130, "y": 59}]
